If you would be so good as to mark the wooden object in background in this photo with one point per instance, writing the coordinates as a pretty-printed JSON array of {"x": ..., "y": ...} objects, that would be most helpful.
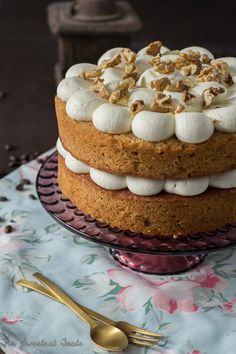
[{"x": 86, "y": 29}]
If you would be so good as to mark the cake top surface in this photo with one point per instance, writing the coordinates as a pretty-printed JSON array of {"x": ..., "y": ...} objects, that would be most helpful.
[{"x": 155, "y": 93}]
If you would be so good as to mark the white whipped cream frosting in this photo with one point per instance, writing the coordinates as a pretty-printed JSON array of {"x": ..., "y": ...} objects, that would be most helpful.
[
  {"x": 70, "y": 85},
  {"x": 147, "y": 186},
  {"x": 107, "y": 180},
  {"x": 153, "y": 126},
  {"x": 187, "y": 187},
  {"x": 84, "y": 105},
  {"x": 71, "y": 163},
  {"x": 112, "y": 74},
  {"x": 81, "y": 105},
  {"x": 144, "y": 186},
  {"x": 77, "y": 69},
  {"x": 111, "y": 118},
  {"x": 193, "y": 127}
]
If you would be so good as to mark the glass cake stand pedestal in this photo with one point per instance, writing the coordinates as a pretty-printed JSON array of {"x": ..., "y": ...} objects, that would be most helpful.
[{"x": 153, "y": 255}]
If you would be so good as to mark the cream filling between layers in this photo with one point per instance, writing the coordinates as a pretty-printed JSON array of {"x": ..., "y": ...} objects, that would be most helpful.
[{"x": 147, "y": 186}]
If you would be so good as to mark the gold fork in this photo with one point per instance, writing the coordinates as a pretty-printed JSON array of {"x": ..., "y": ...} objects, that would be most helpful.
[{"x": 135, "y": 334}]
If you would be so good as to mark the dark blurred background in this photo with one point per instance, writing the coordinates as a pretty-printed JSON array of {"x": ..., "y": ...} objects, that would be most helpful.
[{"x": 28, "y": 53}]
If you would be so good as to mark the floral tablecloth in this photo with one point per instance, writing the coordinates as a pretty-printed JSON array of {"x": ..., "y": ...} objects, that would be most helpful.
[{"x": 195, "y": 310}]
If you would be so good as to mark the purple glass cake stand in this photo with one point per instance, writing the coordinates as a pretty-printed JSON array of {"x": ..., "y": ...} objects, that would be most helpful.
[{"x": 153, "y": 255}]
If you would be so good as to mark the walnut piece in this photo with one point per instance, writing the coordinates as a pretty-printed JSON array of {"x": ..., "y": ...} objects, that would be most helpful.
[
  {"x": 111, "y": 63},
  {"x": 179, "y": 108},
  {"x": 154, "y": 48},
  {"x": 99, "y": 87},
  {"x": 128, "y": 55},
  {"x": 162, "y": 103},
  {"x": 91, "y": 74},
  {"x": 137, "y": 106},
  {"x": 187, "y": 97},
  {"x": 205, "y": 59},
  {"x": 191, "y": 69},
  {"x": 221, "y": 66},
  {"x": 188, "y": 58},
  {"x": 122, "y": 91},
  {"x": 228, "y": 80},
  {"x": 178, "y": 86},
  {"x": 165, "y": 67},
  {"x": 210, "y": 93},
  {"x": 208, "y": 74},
  {"x": 160, "y": 84},
  {"x": 171, "y": 52}
]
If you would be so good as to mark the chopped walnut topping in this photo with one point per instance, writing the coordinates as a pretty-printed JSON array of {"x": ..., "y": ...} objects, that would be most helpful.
[
  {"x": 111, "y": 63},
  {"x": 154, "y": 48},
  {"x": 223, "y": 69},
  {"x": 205, "y": 59},
  {"x": 165, "y": 67},
  {"x": 162, "y": 103},
  {"x": 179, "y": 86},
  {"x": 91, "y": 74},
  {"x": 122, "y": 90},
  {"x": 160, "y": 84},
  {"x": 131, "y": 72},
  {"x": 228, "y": 80},
  {"x": 130, "y": 68},
  {"x": 155, "y": 60},
  {"x": 190, "y": 69},
  {"x": 129, "y": 82},
  {"x": 187, "y": 97},
  {"x": 99, "y": 87},
  {"x": 171, "y": 52},
  {"x": 208, "y": 74},
  {"x": 137, "y": 106},
  {"x": 128, "y": 55},
  {"x": 221, "y": 66},
  {"x": 188, "y": 58},
  {"x": 179, "y": 108},
  {"x": 210, "y": 93}
]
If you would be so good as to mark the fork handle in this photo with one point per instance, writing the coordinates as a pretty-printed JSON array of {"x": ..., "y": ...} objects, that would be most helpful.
[
  {"x": 42, "y": 290},
  {"x": 60, "y": 295}
]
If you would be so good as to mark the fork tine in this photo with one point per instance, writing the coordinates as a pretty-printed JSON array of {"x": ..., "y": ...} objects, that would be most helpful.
[
  {"x": 141, "y": 343},
  {"x": 145, "y": 332},
  {"x": 141, "y": 338}
]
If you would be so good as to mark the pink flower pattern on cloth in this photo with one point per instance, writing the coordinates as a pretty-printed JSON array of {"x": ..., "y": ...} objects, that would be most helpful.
[
  {"x": 170, "y": 295},
  {"x": 195, "y": 310}
]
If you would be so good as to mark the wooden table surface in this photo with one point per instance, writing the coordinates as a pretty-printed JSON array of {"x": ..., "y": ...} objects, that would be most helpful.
[{"x": 28, "y": 53}]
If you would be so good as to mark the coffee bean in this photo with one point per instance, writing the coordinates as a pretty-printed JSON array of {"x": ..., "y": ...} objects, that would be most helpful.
[
  {"x": 24, "y": 157},
  {"x": 8, "y": 229},
  {"x": 25, "y": 181},
  {"x": 3, "y": 94},
  {"x": 12, "y": 164},
  {"x": 20, "y": 187},
  {"x": 3, "y": 199},
  {"x": 32, "y": 196},
  {"x": 12, "y": 158},
  {"x": 9, "y": 147}
]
